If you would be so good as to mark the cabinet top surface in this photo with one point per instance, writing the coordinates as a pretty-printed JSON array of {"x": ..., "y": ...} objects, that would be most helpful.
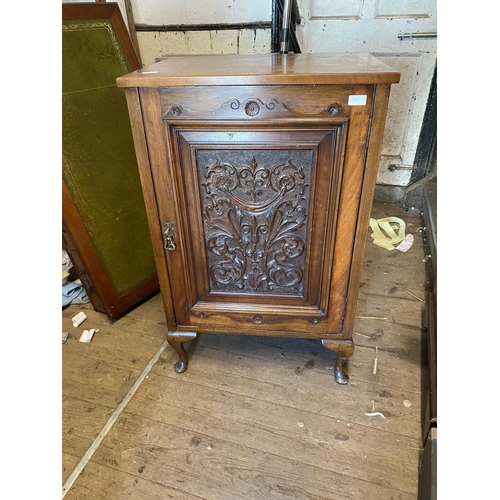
[{"x": 262, "y": 69}]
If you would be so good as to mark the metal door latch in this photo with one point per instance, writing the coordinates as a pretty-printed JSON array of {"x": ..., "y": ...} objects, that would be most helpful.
[{"x": 169, "y": 236}]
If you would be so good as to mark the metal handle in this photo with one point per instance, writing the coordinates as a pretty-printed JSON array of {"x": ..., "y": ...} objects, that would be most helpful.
[
  {"x": 169, "y": 236},
  {"x": 416, "y": 34}
]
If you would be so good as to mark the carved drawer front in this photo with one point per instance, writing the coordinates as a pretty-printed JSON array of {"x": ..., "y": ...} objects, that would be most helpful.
[
  {"x": 318, "y": 102},
  {"x": 258, "y": 210}
]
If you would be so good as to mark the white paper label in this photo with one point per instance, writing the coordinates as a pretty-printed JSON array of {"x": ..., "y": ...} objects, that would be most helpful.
[{"x": 357, "y": 100}]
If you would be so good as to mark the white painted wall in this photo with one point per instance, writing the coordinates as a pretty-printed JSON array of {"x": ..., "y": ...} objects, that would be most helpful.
[
  {"x": 326, "y": 26},
  {"x": 200, "y": 12},
  {"x": 157, "y": 44},
  {"x": 373, "y": 26},
  {"x": 203, "y": 42}
]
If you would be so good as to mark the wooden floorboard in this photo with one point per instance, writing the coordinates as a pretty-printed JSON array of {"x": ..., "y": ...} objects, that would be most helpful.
[
  {"x": 253, "y": 417},
  {"x": 98, "y": 375},
  {"x": 97, "y": 480}
]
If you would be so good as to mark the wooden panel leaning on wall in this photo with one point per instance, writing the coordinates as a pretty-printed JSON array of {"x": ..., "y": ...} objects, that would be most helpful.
[{"x": 105, "y": 227}]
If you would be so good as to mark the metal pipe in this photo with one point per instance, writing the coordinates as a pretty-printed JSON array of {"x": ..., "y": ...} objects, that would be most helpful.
[
  {"x": 416, "y": 34},
  {"x": 285, "y": 31}
]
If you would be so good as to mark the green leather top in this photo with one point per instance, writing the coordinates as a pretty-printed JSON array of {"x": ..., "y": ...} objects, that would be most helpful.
[{"x": 99, "y": 162}]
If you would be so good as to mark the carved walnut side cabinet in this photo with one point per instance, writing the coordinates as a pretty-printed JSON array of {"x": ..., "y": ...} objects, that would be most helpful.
[{"x": 258, "y": 173}]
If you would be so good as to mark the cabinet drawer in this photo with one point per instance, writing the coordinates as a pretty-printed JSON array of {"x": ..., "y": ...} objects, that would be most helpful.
[
  {"x": 301, "y": 102},
  {"x": 257, "y": 320}
]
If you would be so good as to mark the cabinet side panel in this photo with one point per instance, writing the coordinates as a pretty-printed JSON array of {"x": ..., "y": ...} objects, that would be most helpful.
[
  {"x": 352, "y": 180},
  {"x": 168, "y": 195},
  {"x": 381, "y": 99},
  {"x": 141, "y": 149}
]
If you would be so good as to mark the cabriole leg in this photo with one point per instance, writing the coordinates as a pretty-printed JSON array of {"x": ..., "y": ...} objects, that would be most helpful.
[
  {"x": 176, "y": 339},
  {"x": 344, "y": 350}
]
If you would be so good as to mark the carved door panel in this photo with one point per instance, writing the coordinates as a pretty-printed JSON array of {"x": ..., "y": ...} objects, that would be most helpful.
[{"x": 258, "y": 210}]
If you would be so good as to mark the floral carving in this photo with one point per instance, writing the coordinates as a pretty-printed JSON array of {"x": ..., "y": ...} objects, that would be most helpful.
[
  {"x": 252, "y": 108},
  {"x": 255, "y": 219}
]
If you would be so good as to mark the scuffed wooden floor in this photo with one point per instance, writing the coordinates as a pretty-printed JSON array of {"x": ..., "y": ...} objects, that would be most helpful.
[{"x": 253, "y": 418}]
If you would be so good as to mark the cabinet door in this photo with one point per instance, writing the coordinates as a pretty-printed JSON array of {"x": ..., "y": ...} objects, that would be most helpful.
[
  {"x": 258, "y": 199},
  {"x": 257, "y": 211}
]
